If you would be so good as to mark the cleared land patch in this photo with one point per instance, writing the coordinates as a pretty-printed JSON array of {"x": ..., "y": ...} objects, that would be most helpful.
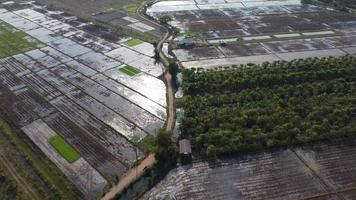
[
  {"x": 14, "y": 41},
  {"x": 133, "y": 42},
  {"x": 129, "y": 70},
  {"x": 64, "y": 148}
]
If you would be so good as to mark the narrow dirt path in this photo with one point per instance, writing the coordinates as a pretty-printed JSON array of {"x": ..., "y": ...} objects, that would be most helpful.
[
  {"x": 170, "y": 99},
  {"x": 130, "y": 176},
  {"x": 168, "y": 81},
  {"x": 134, "y": 173}
]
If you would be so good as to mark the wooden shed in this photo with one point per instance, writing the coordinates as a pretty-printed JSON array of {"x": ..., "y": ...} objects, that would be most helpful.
[{"x": 185, "y": 151}]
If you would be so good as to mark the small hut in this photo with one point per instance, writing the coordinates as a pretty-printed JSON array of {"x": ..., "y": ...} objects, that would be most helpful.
[{"x": 185, "y": 151}]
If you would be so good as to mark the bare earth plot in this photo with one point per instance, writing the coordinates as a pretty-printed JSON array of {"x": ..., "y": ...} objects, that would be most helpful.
[
  {"x": 284, "y": 175},
  {"x": 72, "y": 86},
  {"x": 240, "y": 32}
]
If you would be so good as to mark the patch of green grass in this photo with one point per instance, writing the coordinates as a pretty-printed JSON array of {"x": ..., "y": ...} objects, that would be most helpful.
[
  {"x": 129, "y": 70},
  {"x": 14, "y": 41},
  {"x": 133, "y": 42},
  {"x": 63, "y": 148},
  {"x": 190, "y": 34},
  {"x": 131, "y": 8}
]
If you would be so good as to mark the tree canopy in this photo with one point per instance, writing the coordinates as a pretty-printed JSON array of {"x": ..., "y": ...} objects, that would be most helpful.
[
  {"x": 166, "y": 151},
  {"x": 247, "y": 108}
]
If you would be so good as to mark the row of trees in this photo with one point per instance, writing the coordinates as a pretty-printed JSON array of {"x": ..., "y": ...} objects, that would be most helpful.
[
  {"x": 268, "y": 75},
  {"x": 251, "y": 111}
]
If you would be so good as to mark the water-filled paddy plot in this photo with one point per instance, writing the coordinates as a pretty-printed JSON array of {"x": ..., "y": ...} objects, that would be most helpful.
[
  {"x": 239, "y": 32},
  {"x": 84, "y": 100},
  {"x": 325, "y": 171}
]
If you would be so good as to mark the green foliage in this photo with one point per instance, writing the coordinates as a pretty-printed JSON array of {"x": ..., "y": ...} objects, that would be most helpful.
[
  {"x": 8, "y": 190},
  {"x": 166, "y": 151},
  {"x": 133, "y": 42},
  {"x": 13, "y": 41},
  {"x": 64, "y": 148},
  {"x": 147, "y": 144},
  {"x": 164, "y": 19},
  {"x": 338, "y": 4},
  {"x": 173, "y": 70},
  {"x": 276, "y": 104},
  {"x": 131, "y": 8},
  {"x": 129, "y": 70}
]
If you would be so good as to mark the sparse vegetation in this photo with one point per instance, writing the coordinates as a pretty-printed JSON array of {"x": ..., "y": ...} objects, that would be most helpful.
[
  {"x": 276, "y": 104},
  {"x": 165, "y": 19},
  {"x": 13, "y": 41}
]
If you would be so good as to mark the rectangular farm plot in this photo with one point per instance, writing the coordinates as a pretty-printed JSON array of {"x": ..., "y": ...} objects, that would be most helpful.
[
  {"x": 334, "y": 162},
  {"x": 14, "y": 41},
  {"x": 260, "y": 177},
  {"x": 64, "y": 148},
  {"x": 129, "y": 70},
  {"x": 80, "y": 172},
  {"x": 133, "y": 42}
]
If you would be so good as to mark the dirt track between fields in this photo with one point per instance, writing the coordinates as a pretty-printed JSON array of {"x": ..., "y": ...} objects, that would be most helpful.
[{"x": 133, "y": 174}]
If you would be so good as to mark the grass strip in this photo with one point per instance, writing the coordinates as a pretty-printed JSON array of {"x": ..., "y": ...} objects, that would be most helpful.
[
  {"x": 129, "y": 70},
  {"x": 133, "y": 42},
  {"x": 63, "y": 148}
]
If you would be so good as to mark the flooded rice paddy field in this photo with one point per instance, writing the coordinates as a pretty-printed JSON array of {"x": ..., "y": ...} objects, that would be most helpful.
[
  {"x": 323, "y": 169},
  {"x": 72, "y": 86},
  {"x": 107, "y": 11},
  {"x": 236, "y": 32}
]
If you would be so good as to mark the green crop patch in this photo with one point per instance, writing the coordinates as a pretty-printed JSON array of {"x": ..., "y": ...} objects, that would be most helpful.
[
  {"x": 129, "y": 70},
  {"x": 63, "y": 148},
  {"x": 14, "y": 41},
  {"x": 130, "y": 8},
  {"x": 133, "y": 42}
]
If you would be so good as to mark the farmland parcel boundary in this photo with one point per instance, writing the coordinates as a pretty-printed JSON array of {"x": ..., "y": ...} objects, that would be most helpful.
[
  {"x": 96, "y": 17},
  {"x": 141, "y": 120},
  {"x": 332, "y": 161},
  {"x": 40, "y": 164},
  {"x": 14, "y": 41},
  {"x": 41, "y": 80},
  {"x": 241, "y": 32},
  {"x": 84, "y": 176}
]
